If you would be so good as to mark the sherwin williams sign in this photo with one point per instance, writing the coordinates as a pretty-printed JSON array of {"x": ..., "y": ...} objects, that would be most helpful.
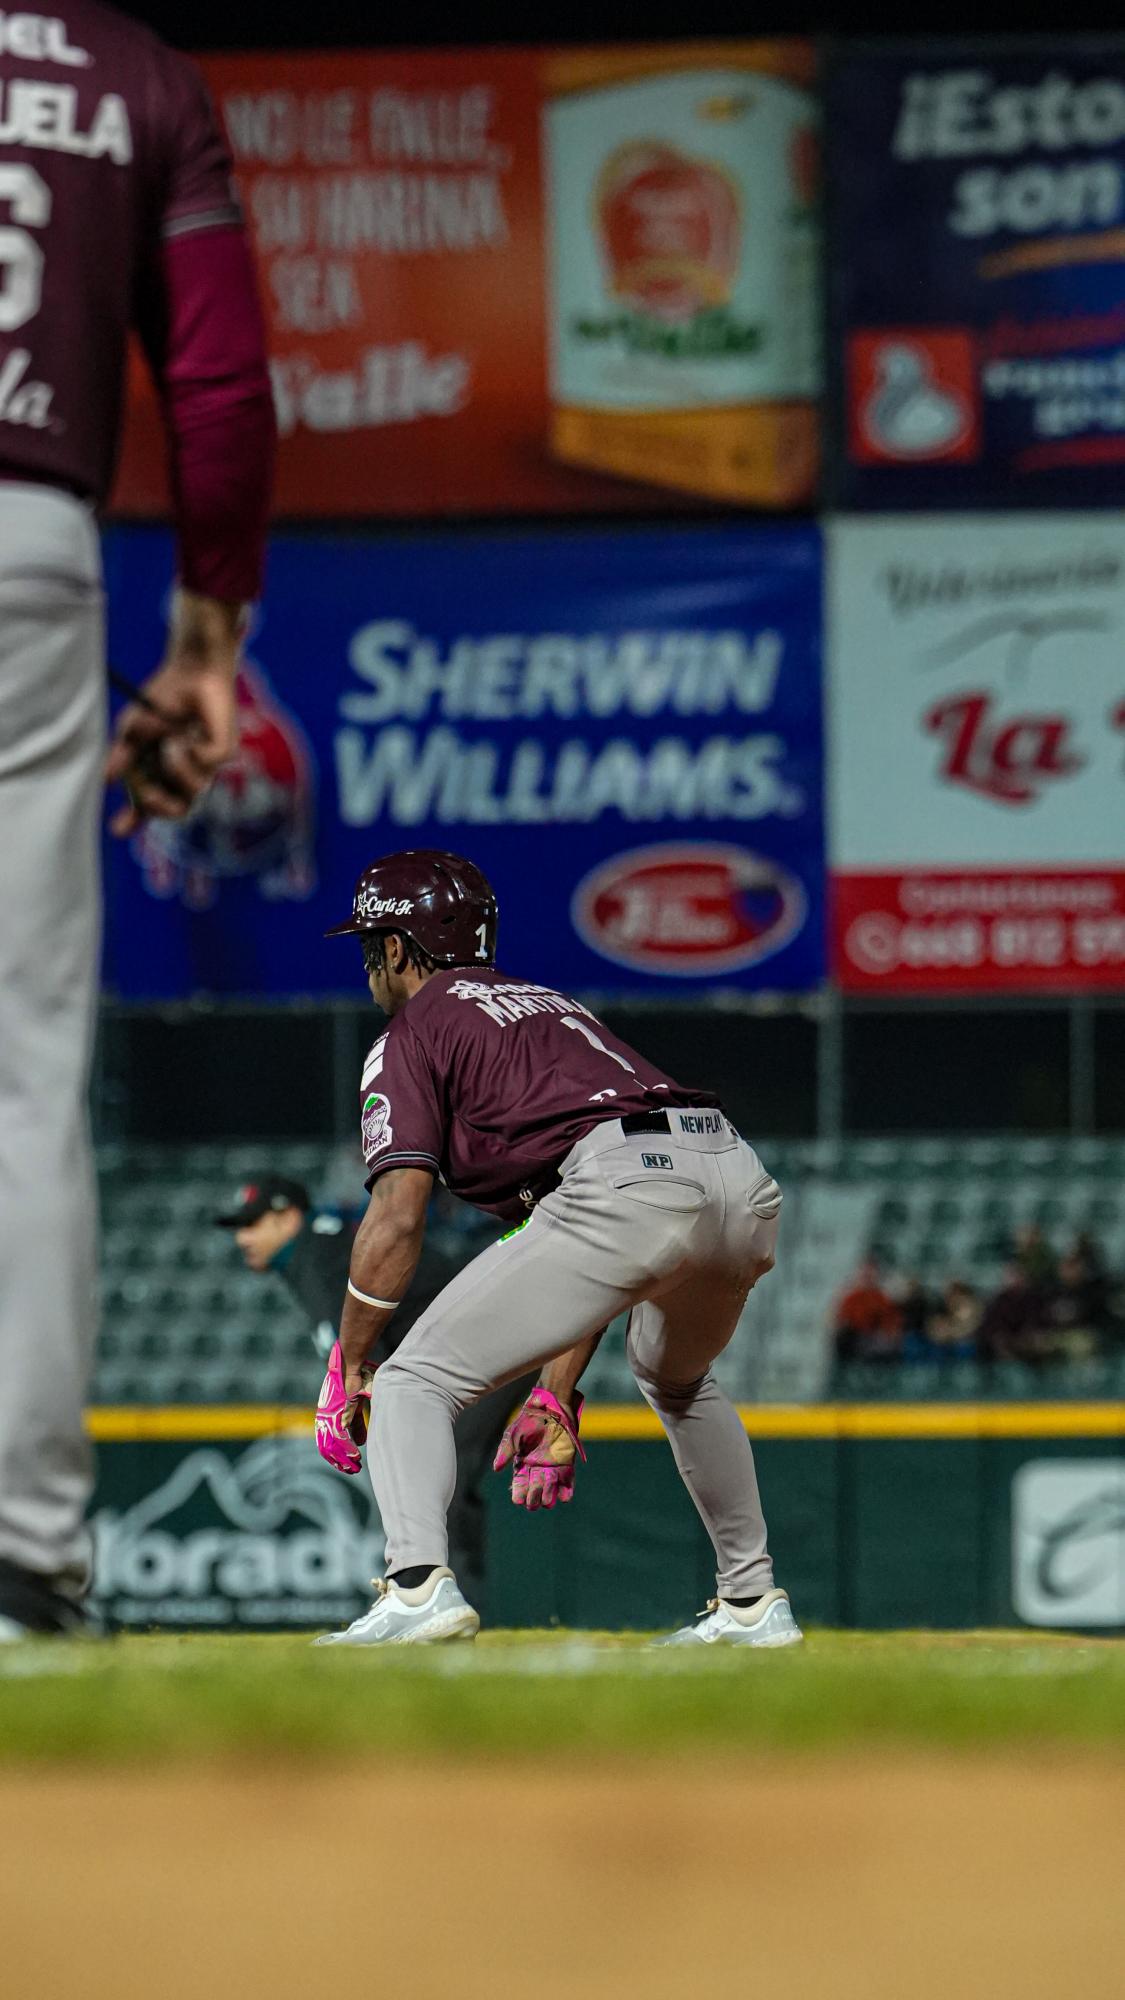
[
  {"x": 979, "y": 209},
  {"x": 430, "y": 228},
  {"x": 977, "y": 719},
  {"x": 622, "y": 729}
]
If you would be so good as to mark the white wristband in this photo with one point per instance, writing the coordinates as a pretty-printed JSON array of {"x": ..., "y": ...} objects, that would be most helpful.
[{"x": 365, "y": 1299}]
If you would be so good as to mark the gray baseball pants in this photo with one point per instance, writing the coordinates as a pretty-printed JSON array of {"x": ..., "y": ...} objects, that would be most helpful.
[
  {"x": 675, "y": 1230},
  {"x": 52, "y": 741}
]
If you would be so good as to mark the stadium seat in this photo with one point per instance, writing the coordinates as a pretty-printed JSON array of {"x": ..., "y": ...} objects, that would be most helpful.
[
  {"x": 182, "y": 1318},
  {"x": 985, "y": 1157}
]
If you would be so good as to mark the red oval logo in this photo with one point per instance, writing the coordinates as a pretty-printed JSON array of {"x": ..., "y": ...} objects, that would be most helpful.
[
  {"x": 688, "y": 908},
  {"x": 670, "y": 230}
]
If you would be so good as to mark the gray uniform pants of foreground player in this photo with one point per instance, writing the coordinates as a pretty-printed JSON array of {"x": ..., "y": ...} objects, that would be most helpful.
[
  {"x": 52, "y": 729},
  {"x": 679, "y": 1246}
]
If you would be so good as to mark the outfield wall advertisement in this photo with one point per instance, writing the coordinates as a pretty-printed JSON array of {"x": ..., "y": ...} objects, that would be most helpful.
[
  {"x": 199, "y": 1529},
  {"x": 977, "y": 724},
  {"x": 623, "y": 730},
  {"x": 503, "y": 281},
  {"x": 979, "y": 233}
]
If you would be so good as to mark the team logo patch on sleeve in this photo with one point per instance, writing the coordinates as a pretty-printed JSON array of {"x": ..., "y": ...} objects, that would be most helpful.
[{"x": 375, "y": 1125}]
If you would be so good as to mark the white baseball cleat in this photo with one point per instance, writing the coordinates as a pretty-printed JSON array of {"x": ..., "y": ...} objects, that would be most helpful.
[
  {"x": 769, "y": 1622},
  {"x": 433, "y": 1611}
]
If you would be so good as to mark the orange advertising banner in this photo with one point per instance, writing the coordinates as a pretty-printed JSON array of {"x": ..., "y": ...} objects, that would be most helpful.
[{"x": 524, "y": 281}]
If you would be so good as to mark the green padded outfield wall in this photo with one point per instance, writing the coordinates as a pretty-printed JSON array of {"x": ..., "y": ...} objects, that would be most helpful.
[{"x": 908, "y": 1515}]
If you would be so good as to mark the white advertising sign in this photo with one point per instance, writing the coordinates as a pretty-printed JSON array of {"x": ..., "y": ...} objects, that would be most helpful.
[
  {"x": 977, "y": 764},
  {"x": 1068, "y": 1542}
]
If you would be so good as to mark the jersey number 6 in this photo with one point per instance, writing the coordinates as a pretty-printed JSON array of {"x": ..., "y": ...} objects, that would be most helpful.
[{"x": 21, "y": 259}]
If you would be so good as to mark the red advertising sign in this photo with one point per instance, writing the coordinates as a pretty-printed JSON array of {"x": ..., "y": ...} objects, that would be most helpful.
[
  {"x": 511, "y": 281},
  {"x": 1023, "y": 931},
  {"x": 977, "y": 687}
]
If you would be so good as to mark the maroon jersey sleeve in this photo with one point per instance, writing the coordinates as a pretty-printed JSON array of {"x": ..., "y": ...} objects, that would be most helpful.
[
  {"x": 198, "y": 192},
  {"x": 113, "y": 166},
  {"x": 402, "y": 1123},
  {"x": 202, "y": 328},
  {"x": 205, "y": 342}
]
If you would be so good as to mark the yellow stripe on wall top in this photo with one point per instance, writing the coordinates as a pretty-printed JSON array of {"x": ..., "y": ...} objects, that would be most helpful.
[{"x": 617, "y": 1422}]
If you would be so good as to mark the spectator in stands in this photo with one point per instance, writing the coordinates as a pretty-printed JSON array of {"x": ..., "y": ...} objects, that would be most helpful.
[
  {"x": 278, "y": 1230},
  {"x": 1034, "y": 1255},
  {"x": 914, "y": 1307},
  {"x": 1090, "y": 1251},
  {"x": 952, "y": 1326},
  {"x": 1011, "y": 1324},
  {"x": 1106, "y": 1289},
  {"x": 1074, "y": 1311},
  {"x": 867, "y": 1322}
]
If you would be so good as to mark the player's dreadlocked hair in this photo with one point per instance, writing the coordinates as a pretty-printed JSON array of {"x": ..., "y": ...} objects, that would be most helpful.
[{"x": 375, "y": 953}]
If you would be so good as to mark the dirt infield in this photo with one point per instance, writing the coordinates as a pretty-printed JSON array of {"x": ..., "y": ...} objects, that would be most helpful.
[{"x": 894, "y": 1878}]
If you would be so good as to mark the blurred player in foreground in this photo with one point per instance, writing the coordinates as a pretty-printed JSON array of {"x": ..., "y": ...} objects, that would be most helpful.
[
  {"x": 116, "y": 212},
  {"x": 635, "y": 1194},
  {"x": 277, "y": 1230}
]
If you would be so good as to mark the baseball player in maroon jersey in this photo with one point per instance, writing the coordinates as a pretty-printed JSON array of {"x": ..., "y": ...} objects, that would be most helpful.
[
  {"x": 116, "y": 213},
  {"x": 636, "y": 1194}
]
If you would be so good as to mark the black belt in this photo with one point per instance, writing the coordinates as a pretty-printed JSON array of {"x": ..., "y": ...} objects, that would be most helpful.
[
  {"x": 657, "y": 1121},
  {"x": 633, "y": 1121}
]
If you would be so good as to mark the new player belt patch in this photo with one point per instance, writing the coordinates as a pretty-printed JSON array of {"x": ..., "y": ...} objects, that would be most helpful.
[{"x": 662, "y": 1160}]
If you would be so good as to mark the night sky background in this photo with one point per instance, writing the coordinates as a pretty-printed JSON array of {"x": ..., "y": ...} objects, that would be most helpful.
[{"x": 219, "y": 24}]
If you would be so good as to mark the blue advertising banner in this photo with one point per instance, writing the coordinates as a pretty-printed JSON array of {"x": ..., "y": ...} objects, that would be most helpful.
[
  {"x": 978, "y": 272},
  {"x": 623, "y": 730}
]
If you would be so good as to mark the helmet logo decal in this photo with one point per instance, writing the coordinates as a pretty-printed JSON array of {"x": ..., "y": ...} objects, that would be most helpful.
[
  {"x": 369, "y": 904},
  {"x": 441, "y": 901}
]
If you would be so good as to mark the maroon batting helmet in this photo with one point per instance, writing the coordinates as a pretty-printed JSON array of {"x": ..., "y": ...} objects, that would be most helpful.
[{"x": 440, "y": 900}]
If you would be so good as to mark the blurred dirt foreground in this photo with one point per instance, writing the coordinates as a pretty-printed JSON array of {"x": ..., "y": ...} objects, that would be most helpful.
[{"x": 890, "y": 1878}]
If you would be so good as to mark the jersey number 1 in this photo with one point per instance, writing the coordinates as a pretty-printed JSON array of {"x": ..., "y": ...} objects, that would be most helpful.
[
  {"x": 21, "y": 259},
  {"x": 581, "y": 1028}
]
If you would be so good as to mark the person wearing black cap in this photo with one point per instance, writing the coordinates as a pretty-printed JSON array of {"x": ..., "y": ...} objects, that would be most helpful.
[
  {"x": 275, "y": 1229},
  {"x": 278, "y": 1230}
]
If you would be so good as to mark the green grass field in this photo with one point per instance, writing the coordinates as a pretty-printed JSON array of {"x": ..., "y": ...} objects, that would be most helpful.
[{"x": 164, "y": 1699}]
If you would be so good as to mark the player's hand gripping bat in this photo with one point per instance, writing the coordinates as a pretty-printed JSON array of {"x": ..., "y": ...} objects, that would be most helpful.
[
  {"x": 179, "y": 729},
  {"x": 168, "y": 743},
  {"x": 541, "y": 1445},
  {"x": 341, "y": 1420}
]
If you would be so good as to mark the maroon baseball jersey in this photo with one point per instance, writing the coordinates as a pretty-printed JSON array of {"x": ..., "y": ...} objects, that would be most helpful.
[
  {"x": 108, "y": 149},
  {"x": 489, "y": 1081}
]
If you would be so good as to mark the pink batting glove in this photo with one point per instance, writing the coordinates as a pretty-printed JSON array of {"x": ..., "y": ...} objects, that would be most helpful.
[
  {"x": 341, "y": 1420},
  {"x": 541, "y": 1444}
]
